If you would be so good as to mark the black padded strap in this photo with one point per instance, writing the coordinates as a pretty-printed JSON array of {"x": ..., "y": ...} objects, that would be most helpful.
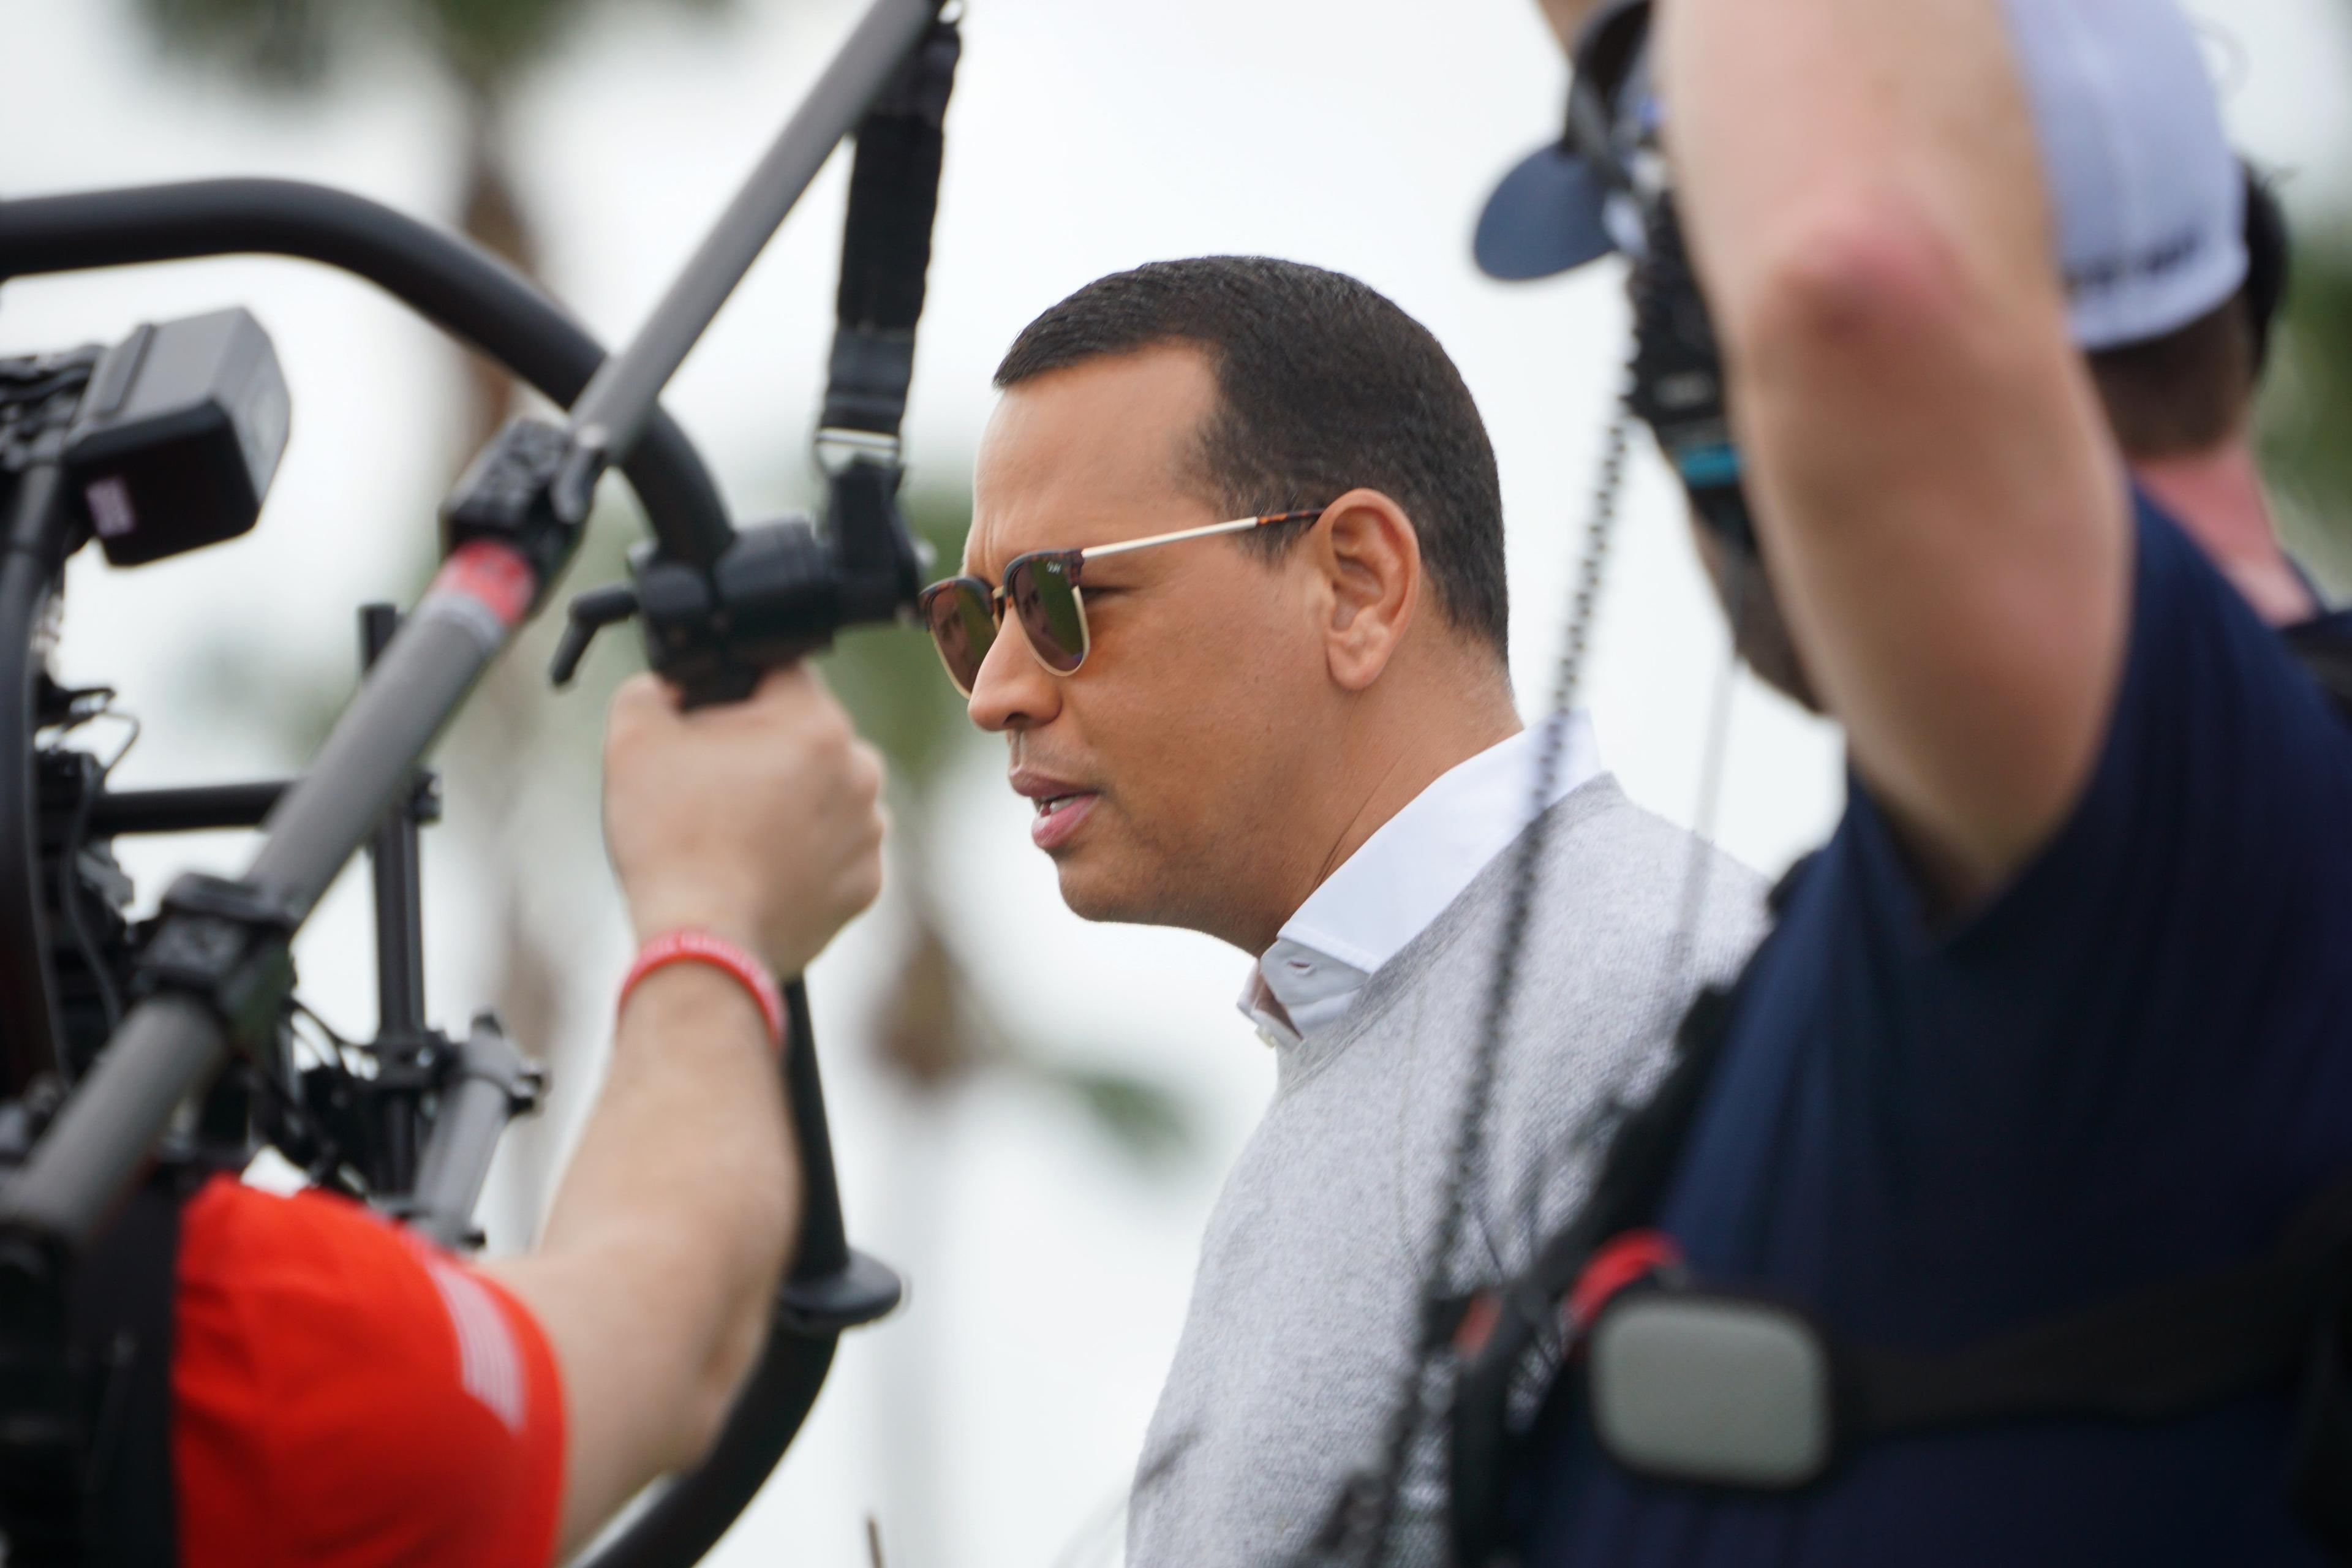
[
  {"x": 886, "y": 252},
  {"x": 2151, "y": 1354},
  {"x": 119, "y": 1310},
  {"x": 86, "y": 1394},
  {"x": 1486, "y": 1442}
]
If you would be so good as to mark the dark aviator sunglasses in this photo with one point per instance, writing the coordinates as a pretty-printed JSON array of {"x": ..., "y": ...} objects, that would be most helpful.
[{"x": 964, "y": 614}]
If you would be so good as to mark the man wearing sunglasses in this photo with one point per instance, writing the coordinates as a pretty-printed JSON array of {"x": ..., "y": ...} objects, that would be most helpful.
[{"x": 1233, "y": 595}]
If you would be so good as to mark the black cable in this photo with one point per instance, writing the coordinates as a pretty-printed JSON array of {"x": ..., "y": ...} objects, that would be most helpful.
[
  {"x": 31, "y": 1036},
  {"x": 109, "y": 997},
  {"x": 76, "y": 838}
]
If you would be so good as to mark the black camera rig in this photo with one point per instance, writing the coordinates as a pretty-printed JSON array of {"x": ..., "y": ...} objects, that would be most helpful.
[{"x": 128, "y": 1047}]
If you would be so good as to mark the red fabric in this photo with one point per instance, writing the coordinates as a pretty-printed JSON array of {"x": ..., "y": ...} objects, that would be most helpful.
[
  {"x": 701, "y": 947},
  {"x": 344, "y": 1394},
  {"x": 1622, "y": 1260}
]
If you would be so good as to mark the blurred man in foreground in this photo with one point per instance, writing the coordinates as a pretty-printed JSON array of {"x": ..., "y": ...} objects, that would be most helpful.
[
  {"x": 344, "y": 1394},
  {"x": 1236, "y": 600},
  {"x": 2059, "y": 1014}
]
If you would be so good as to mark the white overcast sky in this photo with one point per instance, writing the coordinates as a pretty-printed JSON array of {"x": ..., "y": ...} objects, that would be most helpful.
[{"x": 1086, "y": 137}]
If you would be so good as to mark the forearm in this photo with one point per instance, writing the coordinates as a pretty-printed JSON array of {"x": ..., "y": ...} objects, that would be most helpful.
[
  {"x": 668, "y": 1234},
  {"x": 1859, "y": 129},
  {"x": 688, "y": 1155},
  {"x": 1861, "y": 190}
]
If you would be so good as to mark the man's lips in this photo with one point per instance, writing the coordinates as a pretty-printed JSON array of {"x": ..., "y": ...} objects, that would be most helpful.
[
  {"x": 1058, "y": 818},
  {"x": 1062, "y": 806}
]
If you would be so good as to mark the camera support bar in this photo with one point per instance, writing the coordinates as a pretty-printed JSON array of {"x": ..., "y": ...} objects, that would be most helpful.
[
  {"x": 172, "y": 1044},
  {"x": 218, "y": 967}
]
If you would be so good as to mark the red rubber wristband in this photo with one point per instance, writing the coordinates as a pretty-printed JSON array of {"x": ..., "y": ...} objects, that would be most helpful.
[{"x": 701, "y": 947}]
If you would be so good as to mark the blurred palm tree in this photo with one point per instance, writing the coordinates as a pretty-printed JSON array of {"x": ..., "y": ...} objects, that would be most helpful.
[
  {"x": 2307, "y": 413},
  {"x": 484, "y": 49},
  {"x": 938, "y": 1030}
]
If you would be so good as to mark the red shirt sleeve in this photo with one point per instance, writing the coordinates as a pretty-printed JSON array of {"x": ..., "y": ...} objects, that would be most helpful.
[{"x": 344, "y": 1394}]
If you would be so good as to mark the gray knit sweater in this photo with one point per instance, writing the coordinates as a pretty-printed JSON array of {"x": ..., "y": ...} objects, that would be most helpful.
[{"x": 1303, "y": 1309}]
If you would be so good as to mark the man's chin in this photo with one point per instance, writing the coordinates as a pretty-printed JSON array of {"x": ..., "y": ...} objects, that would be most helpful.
[
  {"x": 1092, "y": 897},
  {"x": 1096, "y": 889},
  {"x": 1146, "y": 895}
]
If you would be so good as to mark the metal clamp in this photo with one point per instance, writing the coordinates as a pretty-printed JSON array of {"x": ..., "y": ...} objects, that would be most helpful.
[
  {"x": 39, "y": 398},
  {"x": 483, "y": 1083},
  {"x": 529, "y": 490},
  {"x": 229, "y": 944},
  {"x": 835, "y": 447}
]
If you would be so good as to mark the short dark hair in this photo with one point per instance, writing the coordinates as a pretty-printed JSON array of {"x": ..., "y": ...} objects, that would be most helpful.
[
  {"x": 2183, "y": 392},
  {"x": 1323, "y": 385}
]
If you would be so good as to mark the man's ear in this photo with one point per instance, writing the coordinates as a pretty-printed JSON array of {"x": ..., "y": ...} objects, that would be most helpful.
[{"x": 1369, "y": 560}]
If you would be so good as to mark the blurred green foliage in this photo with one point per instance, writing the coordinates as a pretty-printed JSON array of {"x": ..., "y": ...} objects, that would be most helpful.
[
  {"x": 889, "y": 678},
  {"x": 2306, "y": 408}
]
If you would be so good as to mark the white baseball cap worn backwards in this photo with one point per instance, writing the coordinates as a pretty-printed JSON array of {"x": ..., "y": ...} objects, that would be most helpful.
[{"x": 2150, "y": 199}]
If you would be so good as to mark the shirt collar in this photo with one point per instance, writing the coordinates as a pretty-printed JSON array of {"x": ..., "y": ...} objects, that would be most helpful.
[{"x": 1400, "y": 878}]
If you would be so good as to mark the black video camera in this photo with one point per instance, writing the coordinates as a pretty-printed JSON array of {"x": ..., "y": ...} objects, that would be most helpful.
[{"x": 162, "y": 444}]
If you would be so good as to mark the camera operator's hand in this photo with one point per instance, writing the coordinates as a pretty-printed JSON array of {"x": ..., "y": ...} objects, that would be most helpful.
[{"x": 756, "y": 820}]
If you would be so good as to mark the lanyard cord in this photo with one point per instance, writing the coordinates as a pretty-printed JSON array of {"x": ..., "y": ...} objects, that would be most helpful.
[{"x": 1359, "y": 1532}]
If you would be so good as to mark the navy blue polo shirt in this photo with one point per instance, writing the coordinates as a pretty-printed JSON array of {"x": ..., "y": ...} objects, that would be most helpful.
[{"x": 2134, "y": 1063}]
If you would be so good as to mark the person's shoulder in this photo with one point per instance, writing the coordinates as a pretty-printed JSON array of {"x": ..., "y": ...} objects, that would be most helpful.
[
  {"x": 1606, "y": 850},
  {"x": 2200, "y": 652},
  {"x": 1624, "y": 909},
  {"x": 322, "y": 1278},
  {"x": 1613, "y": 884},
  {"x": 2219, "y": 732},
  {"x": 322, "y": 1353},
  {"x": 1633, "y": 915},
  {"x": 1629, "y": 914}
]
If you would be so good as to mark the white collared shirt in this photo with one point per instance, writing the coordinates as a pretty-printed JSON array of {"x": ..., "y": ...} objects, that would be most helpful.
[{"x": 1400, "y": 878}]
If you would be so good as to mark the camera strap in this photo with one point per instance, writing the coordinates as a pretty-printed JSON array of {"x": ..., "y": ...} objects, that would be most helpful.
[
  {"x": 86, "y": 1464},
  {"x": 886, "y": 255}
]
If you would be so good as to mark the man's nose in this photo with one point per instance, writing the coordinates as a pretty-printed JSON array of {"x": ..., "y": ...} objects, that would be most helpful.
[{"x": 1012, "y": 690}]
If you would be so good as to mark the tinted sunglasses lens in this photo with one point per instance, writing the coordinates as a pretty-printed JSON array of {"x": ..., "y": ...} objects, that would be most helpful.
[
  {"x": 1044, "y": 591},
  {"x": 962, "y": 627}
]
